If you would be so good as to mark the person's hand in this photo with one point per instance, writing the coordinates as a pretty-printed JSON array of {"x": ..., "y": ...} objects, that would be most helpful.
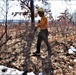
[{"x": 38, "y": 21}]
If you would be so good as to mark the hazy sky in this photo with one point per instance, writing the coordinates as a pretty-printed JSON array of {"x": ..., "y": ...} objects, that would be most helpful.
[{"x": 57, "y": 6}]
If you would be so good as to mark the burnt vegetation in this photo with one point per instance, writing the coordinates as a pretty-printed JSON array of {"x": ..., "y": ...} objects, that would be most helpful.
[{"x": 15, "y": 51}]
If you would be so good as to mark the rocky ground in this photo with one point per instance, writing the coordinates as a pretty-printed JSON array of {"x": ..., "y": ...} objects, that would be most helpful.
[{"x": 57, "y": 62}]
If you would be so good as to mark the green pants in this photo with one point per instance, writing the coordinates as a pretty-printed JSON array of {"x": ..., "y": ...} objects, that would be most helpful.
[{"x": 43, "y": 35}]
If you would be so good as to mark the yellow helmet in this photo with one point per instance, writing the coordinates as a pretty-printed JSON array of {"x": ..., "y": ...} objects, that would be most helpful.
[{"x": 40, "y": 10}]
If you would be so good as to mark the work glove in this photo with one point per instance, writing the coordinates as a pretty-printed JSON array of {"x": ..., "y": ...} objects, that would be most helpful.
[{"x": 38, "y": 21}]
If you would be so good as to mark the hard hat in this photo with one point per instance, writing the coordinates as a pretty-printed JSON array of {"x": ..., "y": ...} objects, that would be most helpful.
[{"x": 40, "y": 10}]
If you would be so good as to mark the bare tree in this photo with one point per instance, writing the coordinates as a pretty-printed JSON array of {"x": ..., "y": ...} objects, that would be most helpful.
[
  {"x": 4, "y": 10},
  {"x": 5, "y": 17}
]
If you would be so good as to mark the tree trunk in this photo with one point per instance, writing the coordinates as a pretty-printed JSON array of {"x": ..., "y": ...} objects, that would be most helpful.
[{"x": 30, "y": 38}]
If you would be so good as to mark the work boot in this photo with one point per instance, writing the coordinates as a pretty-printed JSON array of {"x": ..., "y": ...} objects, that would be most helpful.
[{"x": 36, "y": 54}]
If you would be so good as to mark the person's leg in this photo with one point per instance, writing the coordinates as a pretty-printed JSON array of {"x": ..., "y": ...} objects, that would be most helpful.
[
  {"x": 47, "y": 43},
  {"x": 38, "y": 45},
  {"x": 45, "y": 39}
]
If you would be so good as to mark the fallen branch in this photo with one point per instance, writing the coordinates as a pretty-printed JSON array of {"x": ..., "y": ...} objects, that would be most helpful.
[
  {"x": 5, "y": 41},
  {"x": 2, "y": 35}
]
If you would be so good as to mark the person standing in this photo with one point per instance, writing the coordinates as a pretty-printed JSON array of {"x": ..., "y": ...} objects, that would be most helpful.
[{"x": 43, "y": 34}]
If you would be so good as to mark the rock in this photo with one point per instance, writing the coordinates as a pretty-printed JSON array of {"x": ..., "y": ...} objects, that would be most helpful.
[
  {"x": 40, "y": 73},
  {"x": 30, "y": 73},
  {"x": 75, "y": 60},
  {"x": 70, "y": 51},
  {"x": 10, "y": 71},
  {"x": 70, "y": 67},
  {"x": 72, "y": 48}
]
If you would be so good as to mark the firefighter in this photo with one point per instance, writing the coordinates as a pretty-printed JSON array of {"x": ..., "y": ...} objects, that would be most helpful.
[{"x": 43, "y": 34}]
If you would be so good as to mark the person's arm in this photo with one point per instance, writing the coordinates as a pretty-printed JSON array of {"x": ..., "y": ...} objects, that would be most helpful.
[
  {"x": 42, "y": 22},
  {"x": 36, "y": 26}
]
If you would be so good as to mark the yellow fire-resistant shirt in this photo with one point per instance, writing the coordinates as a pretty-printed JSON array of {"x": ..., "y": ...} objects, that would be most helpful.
[{"x": 43, "y": 23}]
